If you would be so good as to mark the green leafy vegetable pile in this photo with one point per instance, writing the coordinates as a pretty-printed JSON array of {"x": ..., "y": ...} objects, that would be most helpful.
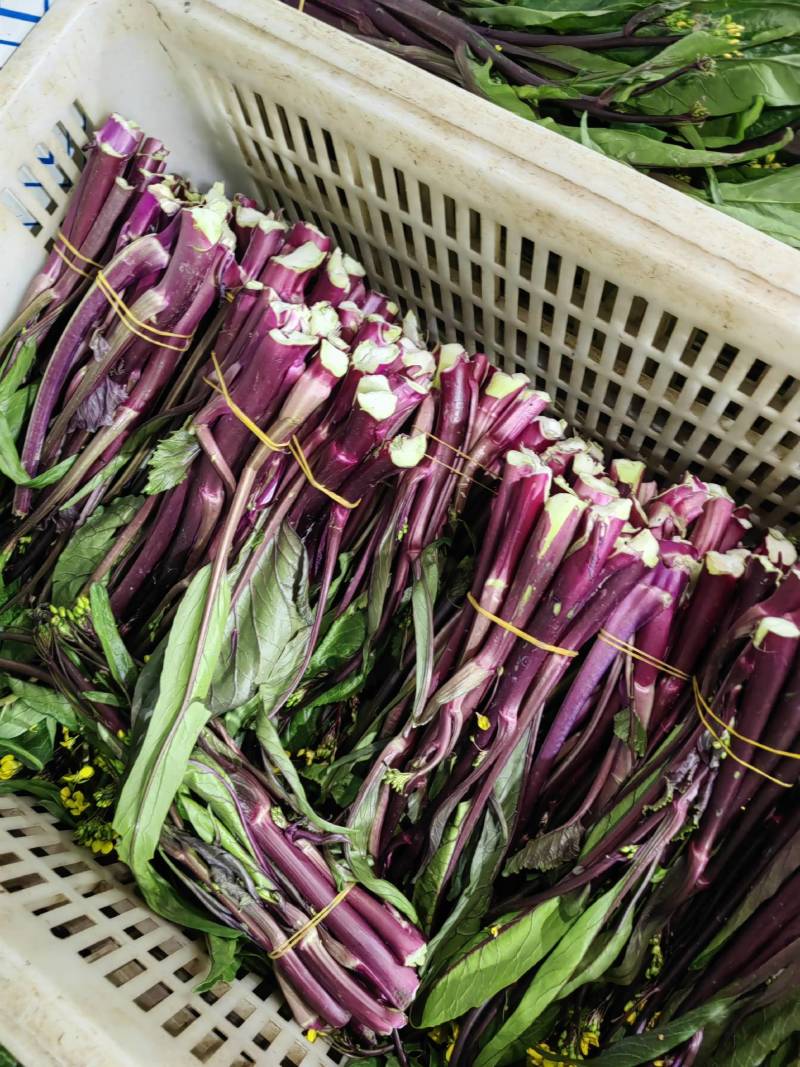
[
  {"x": 485, "y": 747},
  {"x": 704, "y": 95}
]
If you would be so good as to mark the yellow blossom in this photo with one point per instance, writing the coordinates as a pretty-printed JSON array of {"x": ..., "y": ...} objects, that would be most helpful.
[
  {"x": 83, "y": 775},
  {"x": 483, "y": 722},
  {"x": 9, "y": 766},
  {"x": 102, "y": 846},
  {"x": 69, "y": 739},
  {"x": 495, "y": 930},
  {"x": 589, "y": 1040},
  {"x": 536, "y": 1057}
]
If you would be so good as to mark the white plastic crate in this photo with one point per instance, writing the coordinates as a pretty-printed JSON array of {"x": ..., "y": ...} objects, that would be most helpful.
[{"x": 662, "y": 327}]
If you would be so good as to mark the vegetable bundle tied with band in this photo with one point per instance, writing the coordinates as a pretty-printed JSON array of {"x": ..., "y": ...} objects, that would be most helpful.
[{"x": 373, "y": 674}]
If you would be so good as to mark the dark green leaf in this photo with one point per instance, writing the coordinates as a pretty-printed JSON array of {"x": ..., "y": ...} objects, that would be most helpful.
[
  {"x": 271, "y": 622},
  {"x": 225, "y": 961},
  {"x": 628, "y": 727},
  {"x": 268, "y": 736},
  {"x": 47, "y": 794},
  {"x": 465, "y": 917},
  {"x": 423, "y": 595},
  {"x": 165, "y": 901},
  {"x": 752, "y": 1040},
  {"x": 640, "y": 1049},
  {"x": 549, "y": 851},
  {"x": 784, "y": 864},
  {"x": 343, "y": 638},
  {"x": 556, "y": 974},
  {"x": 170, "y": 462},
  {"x": 563, "y": 15},
  {"x": 122, "y": 667},
  {"x": 501, "y": 957},
  {"x": 429, "y": 884},
  {"x": 87, "y": 547}
]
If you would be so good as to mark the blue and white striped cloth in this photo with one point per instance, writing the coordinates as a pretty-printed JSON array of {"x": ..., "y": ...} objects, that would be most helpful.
[{"x": 17, "y": 18}]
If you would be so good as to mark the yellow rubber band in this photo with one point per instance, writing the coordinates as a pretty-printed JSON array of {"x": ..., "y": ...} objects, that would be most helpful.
[
  {"x": 315, "y": 920},
  {"x": 458, "y": 452},
  {"x": 242, "y": 416},
  {"x": 76, "y": 252},
  {"x": 703, "y": 708},
  {"x": 455, "y": 470},
  {"x": 643, "y": 657},
  {"x": 570, "y": 652},
  {"x": 69, "y": 263},
  {"x": 303, "y": 464},
  {"x": 700, "y": 703},
  {"x": 134, "y": 325}
]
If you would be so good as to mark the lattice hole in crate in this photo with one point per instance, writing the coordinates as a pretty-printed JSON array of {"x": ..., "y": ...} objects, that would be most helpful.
[
  {"x": 126, "y": 972},
  {"x": 181, "y": 1020},
  {"x": 93, "y": 953},
  {"x": 73, "y": 926},
  {"x": 153, "y": 996},
  {"x": 43, "y": 184},
  {"x": 167, "y": 948},
  {"x": 209, "y": 1045}
]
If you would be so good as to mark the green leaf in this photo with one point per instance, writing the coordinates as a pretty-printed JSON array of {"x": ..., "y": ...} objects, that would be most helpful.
[
  {"x": 225, "y": 961},
  {"x": 165, "y": 901},
  {"x": 158, "y": 767},
  {"x": 119, "y": 660},
  {"x": 271, "y": 622},
  {"x": 601, "y": 955},
  {"x": 47, "y": 794},
  {"x": 17, "y": 408},
  {"x": 169, "y": 464},
  {"x": 39, "y": 701},
  {"x": 465, "y": 917},
  {"x": 752, "y": 1040},
  {"x": 499, "y": 92},
  {"x": 548, "y": 851},
  {"x": 641, "y": 151},
  {"x": 498, "y": 960},
  {"x": 553, "y": 976},
  {"x": 30, "y": 738},
  {"x": 343, "y": 638},
  {"x": 732, "y": 87},
  {"x": 563, "y": 15},
  {"x": 641, "y": 1049},
  {"x": 271, "y": 742},
  {"x": 11, "y": 381},
  {"x": 11, "y": 465},
  {"x": 429, "y": 884},
  {"x": 87, "y": 547},
  {"x": 628, "y": 727},
  {"x": 423, "y": 595},
  {"x": 607, "y": 823}
]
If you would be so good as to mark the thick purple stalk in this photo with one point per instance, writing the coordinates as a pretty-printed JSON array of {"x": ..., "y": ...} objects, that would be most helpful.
[
  {"x": 159, "y": 537},
  {"x": 710, "y": 529},
  {"x": 143, "y": 256},
  {"x": 634, "y": 612},
  {"x": 396, "y": 982},
  {"x": 114, "y": 145},
  {"x": 775, "y": 645},
  {"x": 697, "y": 623}
]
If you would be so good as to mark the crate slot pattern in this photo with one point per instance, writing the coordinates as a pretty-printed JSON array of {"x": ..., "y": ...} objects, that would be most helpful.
[
  {"x": 92, "y": 909},
  {"x": 641, "y": 379}
]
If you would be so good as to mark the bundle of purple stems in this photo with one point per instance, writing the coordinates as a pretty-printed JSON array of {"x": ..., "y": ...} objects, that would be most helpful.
[{"x": 510, "y": 674}]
